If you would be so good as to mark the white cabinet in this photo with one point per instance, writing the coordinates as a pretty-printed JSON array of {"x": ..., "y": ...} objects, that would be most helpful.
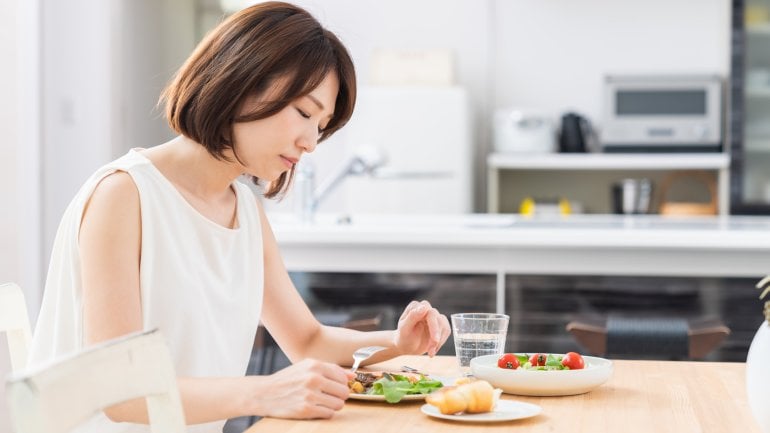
[{"x": 570, "y": 167}]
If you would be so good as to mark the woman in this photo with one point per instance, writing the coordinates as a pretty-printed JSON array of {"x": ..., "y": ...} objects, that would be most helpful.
[{"x": 166, "y": 237}]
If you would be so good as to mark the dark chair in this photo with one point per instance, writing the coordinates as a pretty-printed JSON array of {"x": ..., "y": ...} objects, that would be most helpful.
[{"x": 648, "y": 337}]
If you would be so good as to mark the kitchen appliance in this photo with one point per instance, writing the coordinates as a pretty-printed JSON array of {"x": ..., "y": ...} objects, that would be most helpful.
[
  {"x": 523, "y": 131},
  {"x": 666, "y": 113},
  {"x": 574, "y": 134}
]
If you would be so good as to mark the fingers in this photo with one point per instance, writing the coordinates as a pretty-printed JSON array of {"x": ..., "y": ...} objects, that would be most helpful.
[
  {"x": 411, "y": 308},
  {"x": 327, "y": 389},
  {"x": 334, "y": 380},
  {"x": 414, "y": 313},
  {"x": 446, "y": 330},
  {"x": 328, "y": 401},
  {"x": 436, "y": 328},
  {"x": 434, "y": 331}
]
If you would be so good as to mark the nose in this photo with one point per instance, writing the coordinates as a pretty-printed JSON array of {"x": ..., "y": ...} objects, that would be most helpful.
[{"x": 308, "y": 141}]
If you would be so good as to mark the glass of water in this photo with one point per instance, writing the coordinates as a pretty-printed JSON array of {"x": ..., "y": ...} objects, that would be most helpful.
[{"x": 478, "y": 334}]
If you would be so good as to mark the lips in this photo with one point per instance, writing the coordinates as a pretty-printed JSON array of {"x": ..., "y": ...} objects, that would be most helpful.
[{"x": 289, "y": 162}]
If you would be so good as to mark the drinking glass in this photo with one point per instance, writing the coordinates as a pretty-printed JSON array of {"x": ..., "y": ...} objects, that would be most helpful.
[{"x": 478, "y": 334}]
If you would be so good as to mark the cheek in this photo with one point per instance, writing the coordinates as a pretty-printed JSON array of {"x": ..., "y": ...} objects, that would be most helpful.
[
  {"x": 239, "y": 134},
  {"x": 245, "y": 136}
]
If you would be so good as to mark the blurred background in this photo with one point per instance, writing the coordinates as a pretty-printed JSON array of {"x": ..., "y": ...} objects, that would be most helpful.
[
  {"x": 467, "y": 104},
  {"x": 82, "y": 78}
]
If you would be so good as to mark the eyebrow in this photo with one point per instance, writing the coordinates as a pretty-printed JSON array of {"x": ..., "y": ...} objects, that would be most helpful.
[{"x": 316, "y": 101}]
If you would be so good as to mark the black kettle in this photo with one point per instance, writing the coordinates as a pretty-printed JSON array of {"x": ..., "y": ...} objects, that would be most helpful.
[{"x": 574, "y": 134}]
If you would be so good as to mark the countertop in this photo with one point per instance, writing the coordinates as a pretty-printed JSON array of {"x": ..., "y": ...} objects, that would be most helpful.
[
  {"x": 643, "y": 231},
  {"x": 498, "y": 244}
]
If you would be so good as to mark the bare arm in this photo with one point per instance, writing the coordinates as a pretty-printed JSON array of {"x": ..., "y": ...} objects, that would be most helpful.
[
  {"x": 110, "y": 245},
  {"x": 421, "y": 328}
]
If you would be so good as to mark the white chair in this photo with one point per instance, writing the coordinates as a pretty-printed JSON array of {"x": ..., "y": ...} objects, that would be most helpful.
[
  {"x": 14, "y": 320},
  {"x": 60, "y": 396}
]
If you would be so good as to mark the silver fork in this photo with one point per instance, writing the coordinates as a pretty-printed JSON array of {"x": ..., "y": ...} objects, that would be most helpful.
[
  {"x": 408, "y": 369},
  {"x": 362, "y": 354}
]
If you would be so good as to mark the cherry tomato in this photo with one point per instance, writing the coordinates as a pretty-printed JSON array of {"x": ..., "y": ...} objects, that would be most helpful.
[
  {"x": 509, "y": 361},
  {"x": 537, "y": 360},
  {"x": 573, "y": 360}
]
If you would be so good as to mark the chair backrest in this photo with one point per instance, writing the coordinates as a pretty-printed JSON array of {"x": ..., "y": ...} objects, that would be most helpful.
[
  {"x": 649, "y": 338},
  {"x": 60, "y": 396},
  {"x": 14, "y": 320}
]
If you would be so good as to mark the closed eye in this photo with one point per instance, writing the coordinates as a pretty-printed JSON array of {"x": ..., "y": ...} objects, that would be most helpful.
[{"x": 303, "y": 114}]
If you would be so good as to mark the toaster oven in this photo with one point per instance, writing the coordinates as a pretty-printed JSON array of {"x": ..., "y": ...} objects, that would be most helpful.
[{"x": 670, "y": 113}]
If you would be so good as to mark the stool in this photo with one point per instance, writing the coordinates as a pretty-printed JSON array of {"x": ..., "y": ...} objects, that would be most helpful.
[{"x": 648, "y": 337}]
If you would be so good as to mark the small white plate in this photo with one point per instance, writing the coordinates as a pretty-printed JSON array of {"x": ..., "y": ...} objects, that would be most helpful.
[
  {"x": 543, "y": 383},
  {"x": 505, "y": 410}
]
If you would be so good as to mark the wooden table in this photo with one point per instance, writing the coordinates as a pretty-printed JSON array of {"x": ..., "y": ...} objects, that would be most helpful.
[{"x": 641, "y": 396}]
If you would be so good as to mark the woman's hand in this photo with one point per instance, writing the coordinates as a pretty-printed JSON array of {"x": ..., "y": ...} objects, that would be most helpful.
[
  {"x": 307, "y": 389},
  {"x": 421, "y": 329}
]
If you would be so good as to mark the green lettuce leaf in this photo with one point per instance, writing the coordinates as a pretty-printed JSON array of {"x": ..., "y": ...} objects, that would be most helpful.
[{"x": 395, "y": 386}]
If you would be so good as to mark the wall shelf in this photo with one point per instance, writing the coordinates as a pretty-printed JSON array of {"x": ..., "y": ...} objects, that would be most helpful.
[
  {"x": 611, "y": 161},
  {"x": 603, "y": 162}
]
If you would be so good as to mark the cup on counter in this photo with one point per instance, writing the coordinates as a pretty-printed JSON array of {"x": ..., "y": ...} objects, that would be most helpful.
[
  {"x": 632, "y": 196},
  {"x": 477, "y": 334}
]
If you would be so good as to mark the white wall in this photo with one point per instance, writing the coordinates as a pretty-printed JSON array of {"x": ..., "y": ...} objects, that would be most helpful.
[
  {"x": 9, "y": 216},
  {"x": 553, "y": 55},
  {"x": 9, "y": 82},
  {"x": 77, "y": 105}
]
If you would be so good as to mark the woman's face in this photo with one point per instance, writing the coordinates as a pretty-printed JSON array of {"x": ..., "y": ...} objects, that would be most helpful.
[{"x": 271, "y": 146}]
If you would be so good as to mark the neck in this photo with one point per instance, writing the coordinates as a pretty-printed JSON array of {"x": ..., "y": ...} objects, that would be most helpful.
[{"x": 190, "y": 166}]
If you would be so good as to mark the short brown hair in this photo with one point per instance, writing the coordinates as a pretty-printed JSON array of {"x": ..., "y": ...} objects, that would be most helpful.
[{"x": 242, "y": 57}]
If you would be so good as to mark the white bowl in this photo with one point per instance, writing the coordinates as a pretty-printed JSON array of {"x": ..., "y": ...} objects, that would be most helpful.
[{"x": 543, "y": 383}]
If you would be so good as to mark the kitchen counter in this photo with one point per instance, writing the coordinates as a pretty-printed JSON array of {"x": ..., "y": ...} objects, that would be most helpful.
[{"x": 727, "y": 246}]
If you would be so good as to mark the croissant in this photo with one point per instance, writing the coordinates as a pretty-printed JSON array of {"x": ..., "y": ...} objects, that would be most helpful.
[{"x": 473, "y": 397}]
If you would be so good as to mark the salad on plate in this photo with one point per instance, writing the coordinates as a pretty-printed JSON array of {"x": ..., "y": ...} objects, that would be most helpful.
[{"x": 392, "y": 387}]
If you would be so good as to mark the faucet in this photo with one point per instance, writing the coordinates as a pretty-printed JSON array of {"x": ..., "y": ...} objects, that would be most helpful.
[{"x": 364, "y": 161}]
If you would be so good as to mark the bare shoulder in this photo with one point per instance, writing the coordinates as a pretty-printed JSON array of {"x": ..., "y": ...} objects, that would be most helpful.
[
  {"x": 115, "y": 198},
  {"x": 119, "y": 185}
]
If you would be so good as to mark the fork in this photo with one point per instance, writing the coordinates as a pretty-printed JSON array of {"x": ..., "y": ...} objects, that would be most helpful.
[
  {"x": 362, "y": 354},
  {"x": 408, "y": 369}
]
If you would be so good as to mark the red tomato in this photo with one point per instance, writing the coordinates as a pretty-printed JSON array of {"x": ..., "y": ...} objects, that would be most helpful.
[
  {"x": 509, "y": 361},
  {"x": 573, "y": 360},
  {"x": 537, "y": 360}
]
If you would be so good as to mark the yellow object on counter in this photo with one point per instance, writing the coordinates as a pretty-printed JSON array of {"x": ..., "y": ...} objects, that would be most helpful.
[
  {"x": 530, "y": 207},
  {"x": 756, "y": 15}
]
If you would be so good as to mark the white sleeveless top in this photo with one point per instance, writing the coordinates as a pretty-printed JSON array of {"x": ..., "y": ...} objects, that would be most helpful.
[{"x": 201, "y": 283}]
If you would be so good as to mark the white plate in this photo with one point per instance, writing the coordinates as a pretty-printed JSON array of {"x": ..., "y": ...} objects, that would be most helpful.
[
  {"x": 374, "y": 397},
  {"x": 543, "y": 383},
  {"x": 409, "y": 397},
  {"x": 505, "y": 410}
]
